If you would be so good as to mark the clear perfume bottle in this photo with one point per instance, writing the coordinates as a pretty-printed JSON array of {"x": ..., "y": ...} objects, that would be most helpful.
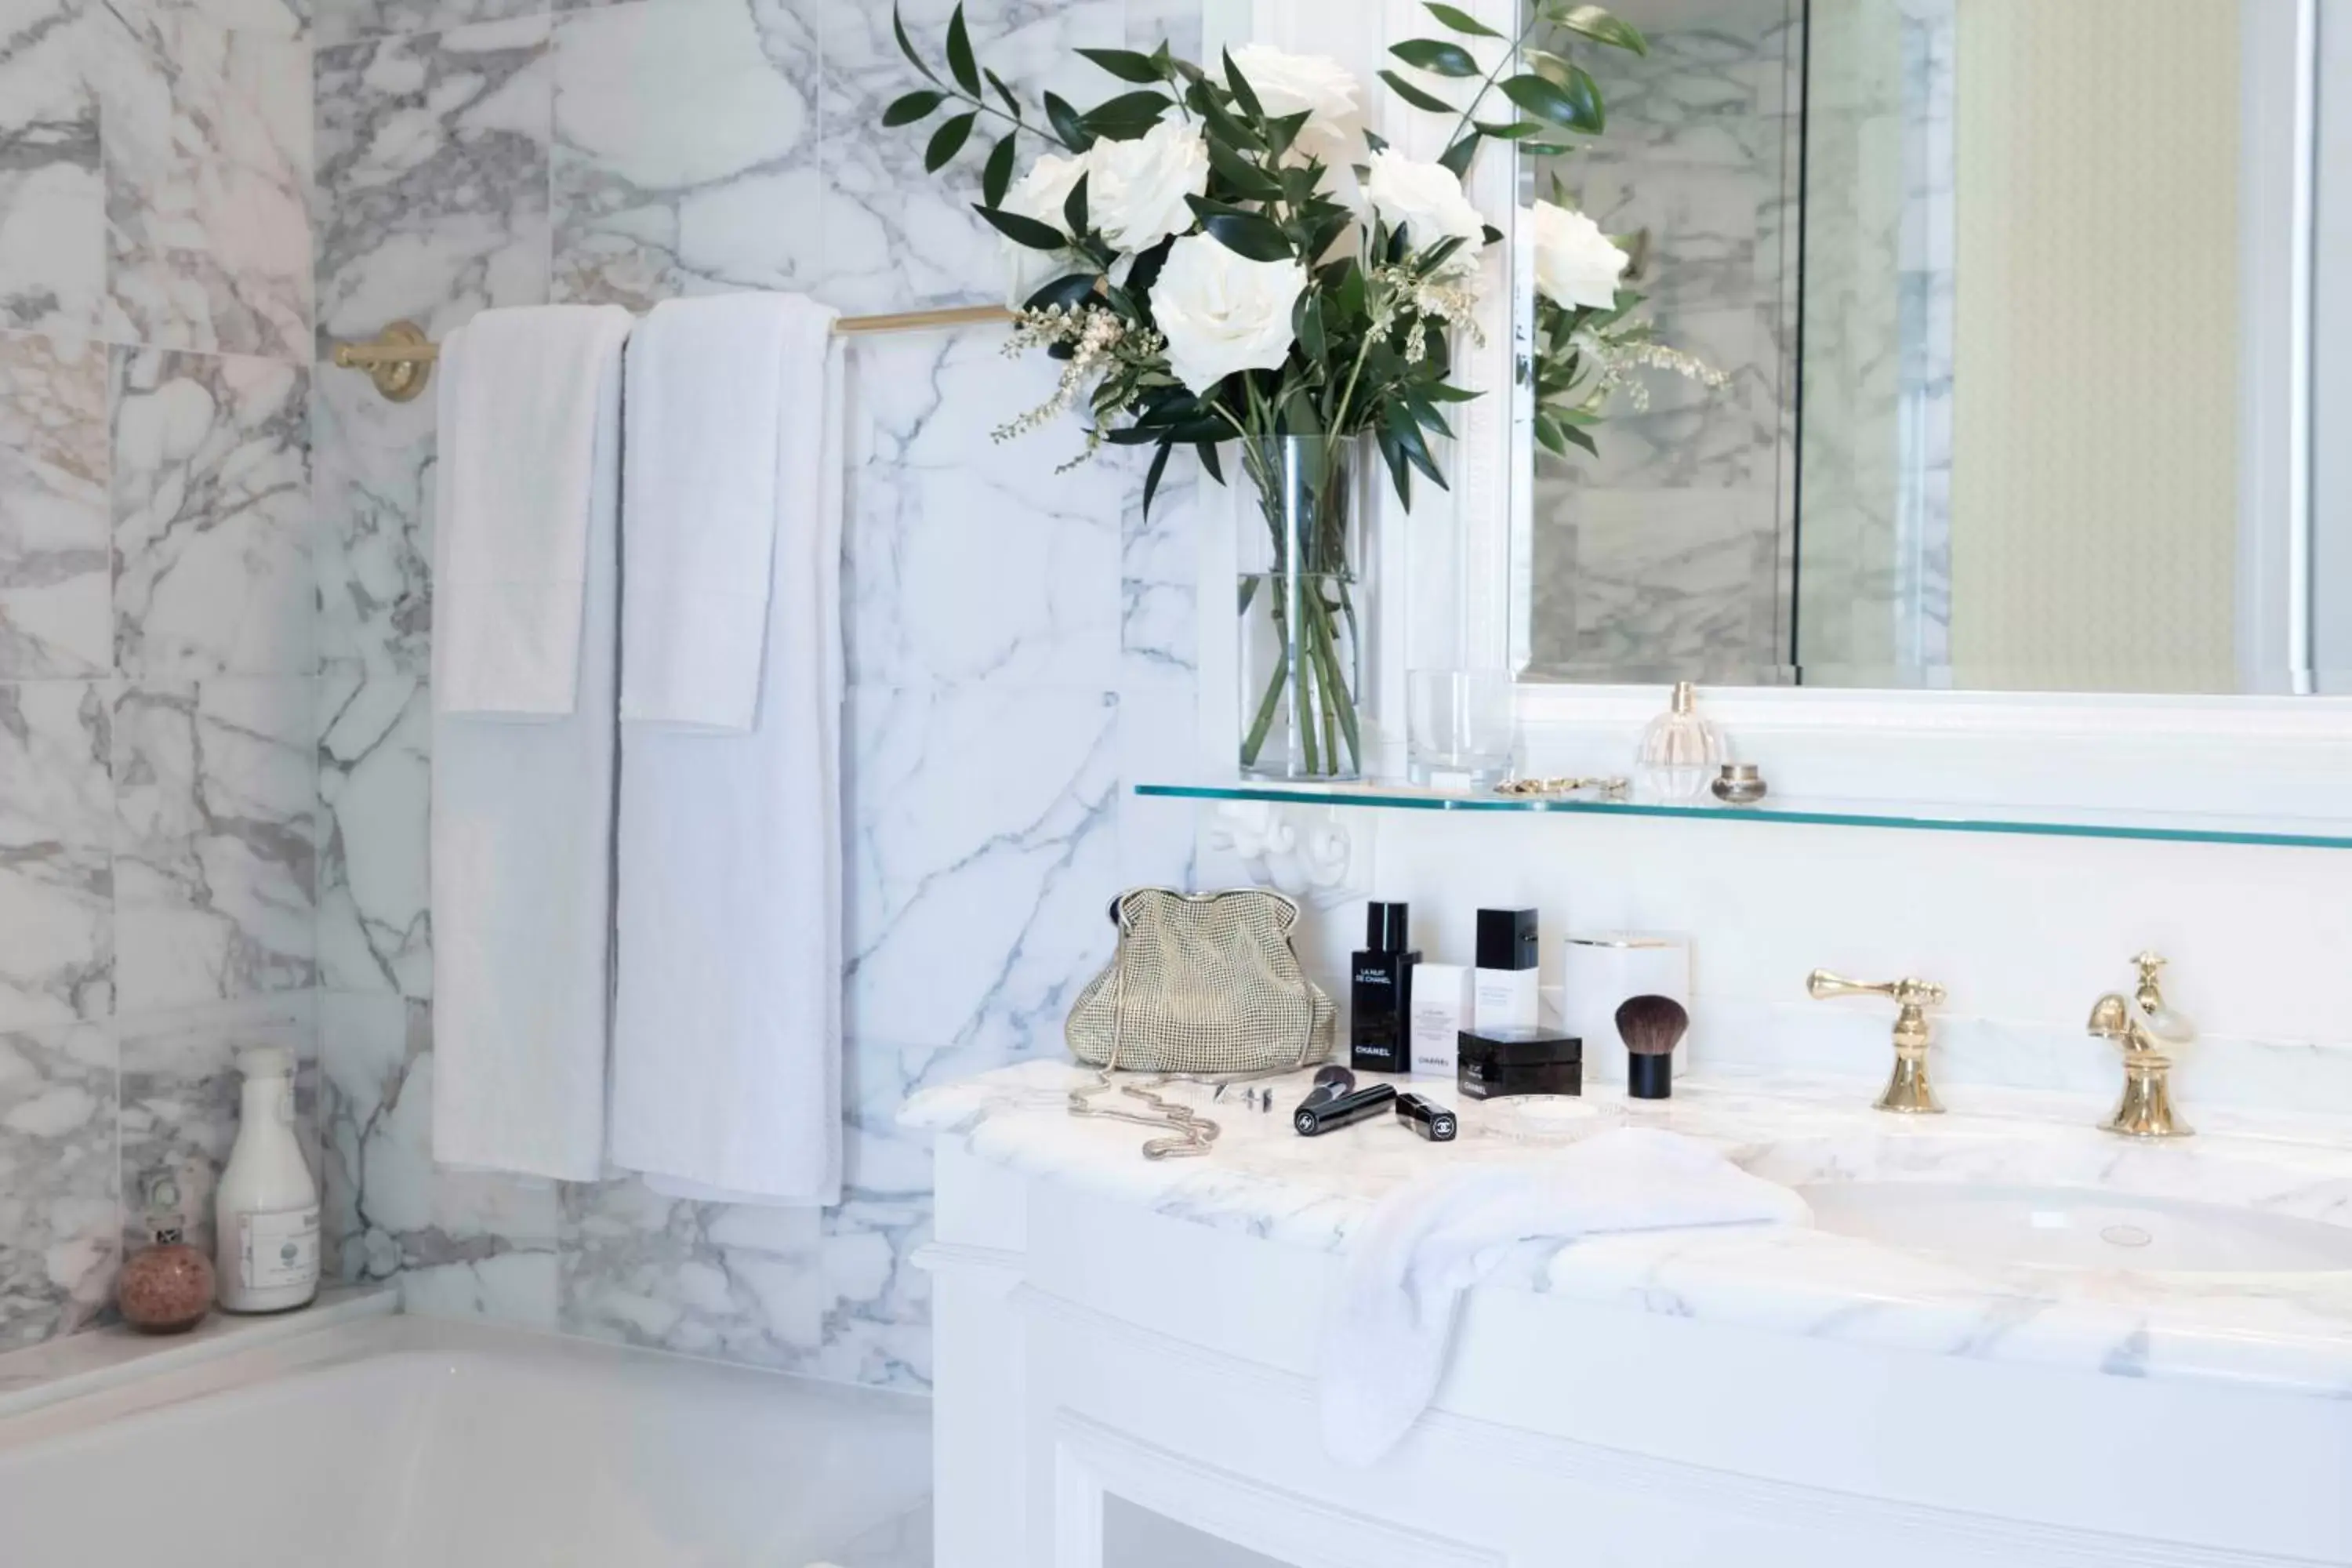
[{"x": 1681, "y": 751}]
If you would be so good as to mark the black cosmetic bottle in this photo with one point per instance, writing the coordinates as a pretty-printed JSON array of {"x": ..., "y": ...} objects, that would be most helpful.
[{"x": 1380, "y": 993}]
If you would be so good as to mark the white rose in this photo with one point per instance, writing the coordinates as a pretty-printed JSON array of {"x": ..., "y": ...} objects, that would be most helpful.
[
  {"x": 1426, "y": 200},
  {"x": 1223, "y": 313},
  {"x": 1040, "y": 193},
  {"x": 1136, "y": 190},
  {"x": 1576, "y": 264},
  {"x": 1315, "y": 85}
]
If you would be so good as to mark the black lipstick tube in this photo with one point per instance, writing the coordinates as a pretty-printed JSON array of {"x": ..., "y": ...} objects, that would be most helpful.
[
  {"x": 1427, "y": 1118},
  {"x": 1316, "y": 1117}
]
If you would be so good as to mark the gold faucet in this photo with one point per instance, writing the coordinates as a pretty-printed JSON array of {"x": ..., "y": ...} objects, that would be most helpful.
[
  {"x": 1908, "y": 1092},
  {"x": 2143, "y": 1026}
]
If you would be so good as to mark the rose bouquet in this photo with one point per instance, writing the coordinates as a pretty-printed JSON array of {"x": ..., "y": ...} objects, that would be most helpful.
[{"x": 1230, "y": 255}]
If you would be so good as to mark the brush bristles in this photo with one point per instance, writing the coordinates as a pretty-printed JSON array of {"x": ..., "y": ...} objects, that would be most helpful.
[{"x": 1651, "y": 1025}]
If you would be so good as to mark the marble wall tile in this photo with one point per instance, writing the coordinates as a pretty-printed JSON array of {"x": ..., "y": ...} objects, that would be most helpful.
[
  {"x": 371, "y": 545},
  {"x": 212, "y": 512},
  {"x": 57, "y": 883},
  {"x": 52, "y": 191},
  {"x": 937, "y": 507},
  {"x": 344, "y": 21},
  {"x": 732, "y": 1282},
  {"x": 461, "y": 1243},
  {"x": 56, "y": 593},
  {"x": 376, "y": 748},
  {"x": 59, "y": 1233},
  {"x": 432, "y": 172},
  {"x": 215, "y": 861},
  {"x": 971, "y": 799},
  {"x": 896, "y": 237},
  {"x": 207, "y": 181},
  {"x": 686, "y": 151},
  {"x": 180, "y": 1095},
  {"x": 1176, "y": 23}
]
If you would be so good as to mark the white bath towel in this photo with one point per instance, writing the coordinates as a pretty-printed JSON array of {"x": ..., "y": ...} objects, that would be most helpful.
[
  {"x": 522, "y": 806},
  {"x": 517, "y": 408},
  {"x": 727, "y": 1029},
  {"x": 711, "y": 384},
  {"x": 1393, "y": 1316}
]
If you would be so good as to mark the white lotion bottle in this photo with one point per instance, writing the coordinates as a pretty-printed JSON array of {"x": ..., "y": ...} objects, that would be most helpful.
[{"x": 266, "y": 1210}]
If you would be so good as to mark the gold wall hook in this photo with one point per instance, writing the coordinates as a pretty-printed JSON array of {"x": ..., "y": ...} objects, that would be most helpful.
[
  {"x": 1909, "y": 1091},
  {"x": 399, "y": 361}
]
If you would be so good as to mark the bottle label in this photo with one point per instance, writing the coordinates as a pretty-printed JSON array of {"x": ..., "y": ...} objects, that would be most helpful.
[{"x": 279, "y": 1248}]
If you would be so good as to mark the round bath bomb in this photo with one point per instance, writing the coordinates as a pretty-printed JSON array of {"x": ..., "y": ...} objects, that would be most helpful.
[{"x": 166, "y": 1288}]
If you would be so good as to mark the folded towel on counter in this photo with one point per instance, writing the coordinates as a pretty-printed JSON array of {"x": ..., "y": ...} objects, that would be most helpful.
[
  {"x": 518, "y": 410},
  {"x": 1392, "y": 1317},
  {"x": 727, "y": 1029},
  {"x": 711, "y": 384},
  {"x": 522, "y": 798}
]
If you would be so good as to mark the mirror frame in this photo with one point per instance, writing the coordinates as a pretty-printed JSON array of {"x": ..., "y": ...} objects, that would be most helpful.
[{"x": 1443, "y": 594}]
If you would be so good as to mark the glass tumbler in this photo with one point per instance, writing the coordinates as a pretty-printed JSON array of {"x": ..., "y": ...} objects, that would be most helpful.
[{"x": 1458, "y": 728}]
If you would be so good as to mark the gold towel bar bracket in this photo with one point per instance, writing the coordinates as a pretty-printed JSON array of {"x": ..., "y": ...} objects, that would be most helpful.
[{"x": 400, "y": 358}]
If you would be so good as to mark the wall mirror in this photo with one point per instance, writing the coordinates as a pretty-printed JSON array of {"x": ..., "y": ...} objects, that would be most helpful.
[{"x": 2016, "y": 305}]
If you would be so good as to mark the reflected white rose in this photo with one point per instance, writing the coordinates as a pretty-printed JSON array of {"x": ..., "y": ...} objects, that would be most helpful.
[
  {"x": 1315, "y": 85},
  {"x": 1136, "y": 190},
  {"x": 1223, "y": 313},
  {"x": 1427, "y": 201},
  {"x": 1040, "y": 194},
  {"x": 1576, "y": 264}
]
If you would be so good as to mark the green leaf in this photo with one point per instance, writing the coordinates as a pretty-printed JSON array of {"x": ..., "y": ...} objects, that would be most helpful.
[
  {"x": 1208, "y": 452},
  {"x": 906, "y": 46},
  {"x": 996, "y": 178},
  {"x": 1509, "y": 131},
  {"x": 915, "y": 106},
  {"x": 1308, "y": 322},
  {"x": 1069, "y": 292},
  {"x": 1067, "y": 124},
  {"x": 1244, "y": 94},
  {"x": 1012, "y": 101},
  {"x": 1458, "y": 158},
  {"x": 1547, "y": 100},
  {"x": 1601, "y": 26},
  {"x": 1462, "y": 22},
  {"x": 1394, "y": 452},
  {"x": 1244, "y": 234},
  {"x": 1128, "y": 116},
  {"x": 1151, "y": 477},
  {"x": 1437, "y": 57},
  {"x": 946, "y": 142},
  {"x": 1398, "y": 421},
  {"x": 960, "y": 56},
  {"x": 1126, "y": 65},
  {"x": 1074, "y": 210},
  {"x": 1025, "y": 231},
  {"x": 1244, "y": 180},
  {"x": 1428, "y": 102}
]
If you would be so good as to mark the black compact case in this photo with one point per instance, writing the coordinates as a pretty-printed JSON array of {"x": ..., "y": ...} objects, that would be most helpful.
[{"x": 1498, "y": 1062}]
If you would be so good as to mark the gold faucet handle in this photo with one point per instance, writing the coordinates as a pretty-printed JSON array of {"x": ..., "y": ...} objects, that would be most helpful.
[{"x": 1905, "y": 994}]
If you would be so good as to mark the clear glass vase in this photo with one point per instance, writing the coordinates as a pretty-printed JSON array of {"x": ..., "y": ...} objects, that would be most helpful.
[{"x": 1301, "y": 597}]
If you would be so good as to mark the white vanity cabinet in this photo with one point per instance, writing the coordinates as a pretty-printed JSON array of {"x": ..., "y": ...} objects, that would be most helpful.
[{"x": 1108, "y": 1329}]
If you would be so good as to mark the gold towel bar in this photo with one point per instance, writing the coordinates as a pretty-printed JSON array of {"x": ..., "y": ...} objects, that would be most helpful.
[{"x": 402, "y": 357}]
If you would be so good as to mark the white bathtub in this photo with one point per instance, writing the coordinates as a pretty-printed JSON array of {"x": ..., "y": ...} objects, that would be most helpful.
[{"x": 402, "y": 1440}]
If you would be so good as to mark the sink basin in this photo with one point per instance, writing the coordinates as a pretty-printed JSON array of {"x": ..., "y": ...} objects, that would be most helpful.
[{"x": 2077, "y": 1227}]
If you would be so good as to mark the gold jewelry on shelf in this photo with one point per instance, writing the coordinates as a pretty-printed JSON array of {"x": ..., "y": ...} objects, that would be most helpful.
[{"x": 1605, "y": 787}]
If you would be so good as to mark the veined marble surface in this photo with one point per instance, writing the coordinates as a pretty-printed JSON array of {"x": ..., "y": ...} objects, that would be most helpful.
[{"x": 2291, "y": 1330}]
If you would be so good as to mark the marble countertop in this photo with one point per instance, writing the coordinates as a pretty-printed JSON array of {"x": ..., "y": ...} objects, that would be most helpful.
[{"x": 2287, "y": 1331}]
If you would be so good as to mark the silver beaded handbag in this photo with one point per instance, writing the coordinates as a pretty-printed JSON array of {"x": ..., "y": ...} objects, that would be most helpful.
[{"x": 1203, "y": 984}]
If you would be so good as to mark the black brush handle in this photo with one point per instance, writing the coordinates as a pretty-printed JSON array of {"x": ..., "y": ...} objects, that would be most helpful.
[
  {"x": 1650, "y": 1077},
  {"x": 1316, "y": 1117}
]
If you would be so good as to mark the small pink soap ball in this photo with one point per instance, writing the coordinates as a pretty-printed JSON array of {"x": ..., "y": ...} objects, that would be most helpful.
[{"x": 166, "y": 1288}]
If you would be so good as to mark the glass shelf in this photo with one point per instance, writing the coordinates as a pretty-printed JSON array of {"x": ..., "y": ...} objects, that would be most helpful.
[{"x": 2160, "y": 828}]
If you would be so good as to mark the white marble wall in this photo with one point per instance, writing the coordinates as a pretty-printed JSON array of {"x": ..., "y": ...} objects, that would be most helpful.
[
  {"x": 1020, "y": 643},
  {"x": 157, "y": 656}
]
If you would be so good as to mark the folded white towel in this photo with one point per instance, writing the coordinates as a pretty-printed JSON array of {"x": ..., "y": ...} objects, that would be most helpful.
[
  {"x": 727, "y": 1028},
  {"x": 517, "y": 408},
  {"x": 712, "y": 383},
  {"x": 1384, "y": 1351},
  {"x": 522, "y": 813}
]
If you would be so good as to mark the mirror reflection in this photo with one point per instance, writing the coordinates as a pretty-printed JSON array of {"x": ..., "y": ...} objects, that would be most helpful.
[{"x": 2007, "y": 333}]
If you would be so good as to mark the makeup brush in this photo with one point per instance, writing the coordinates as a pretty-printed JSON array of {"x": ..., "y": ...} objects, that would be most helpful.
[{"x": 1651, "y": 1027}]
